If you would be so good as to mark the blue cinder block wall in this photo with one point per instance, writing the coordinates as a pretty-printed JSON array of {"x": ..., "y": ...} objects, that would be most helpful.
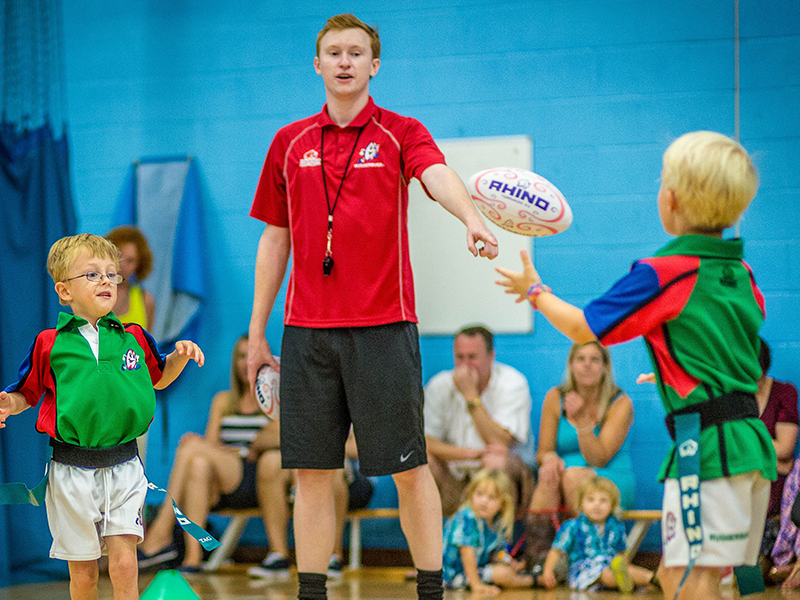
[{"x": 601, "y": 87}]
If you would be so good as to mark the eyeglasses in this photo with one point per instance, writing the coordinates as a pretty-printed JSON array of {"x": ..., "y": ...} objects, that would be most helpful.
[{"x": 96, "y": 277}]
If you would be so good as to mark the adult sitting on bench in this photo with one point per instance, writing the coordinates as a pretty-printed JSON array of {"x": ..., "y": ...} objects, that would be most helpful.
[
  {"x": 236, "y": 464},
  {"x": 583, "y": 432}
]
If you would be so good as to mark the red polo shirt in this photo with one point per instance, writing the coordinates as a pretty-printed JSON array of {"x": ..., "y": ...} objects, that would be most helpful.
[{"x": 371, "y": 282}]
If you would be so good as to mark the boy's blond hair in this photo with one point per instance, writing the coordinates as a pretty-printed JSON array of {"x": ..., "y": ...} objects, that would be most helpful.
[
  {"x": 350, "y": 21},
  {"x": 712, "y": 178},
  {"x": 600, "y": 484},
  {"x": 64, "y": 252},
  {"x": 502, "y": 486}
]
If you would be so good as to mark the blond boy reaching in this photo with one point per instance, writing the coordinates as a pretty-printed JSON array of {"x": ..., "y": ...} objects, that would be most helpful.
[
  {"x": 697, "y": 305},
  {"x": 93, "y": 378}
]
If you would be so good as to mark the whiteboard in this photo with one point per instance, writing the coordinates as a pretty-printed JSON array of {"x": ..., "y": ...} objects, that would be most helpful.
[{"x": 453, "y": 288}]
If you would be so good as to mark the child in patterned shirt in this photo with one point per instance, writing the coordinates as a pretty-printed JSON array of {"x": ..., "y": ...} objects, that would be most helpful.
[
  {"x": 475, "y": 539},
  {"x": 594, "y": 544}
]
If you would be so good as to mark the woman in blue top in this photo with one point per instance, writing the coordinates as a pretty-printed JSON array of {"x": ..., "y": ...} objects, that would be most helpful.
[{"x": 582, "y": 433}]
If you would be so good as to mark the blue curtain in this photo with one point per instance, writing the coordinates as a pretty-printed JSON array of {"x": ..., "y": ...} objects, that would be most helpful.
[
  {"x": 162, "y": 196},
  {"x": 36, "y": 209}
]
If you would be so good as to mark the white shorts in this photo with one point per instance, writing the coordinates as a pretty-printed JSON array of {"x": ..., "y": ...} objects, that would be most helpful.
[
  {"x": 732, "y": 511},
  {"x": 86, "y": 505}
]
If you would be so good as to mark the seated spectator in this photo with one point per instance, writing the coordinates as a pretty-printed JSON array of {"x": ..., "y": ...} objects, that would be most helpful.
[
  {"x": 777, "y": 404},
  {"x": 594, "y": 544},
  {"x": 134, "y": 303},
  {"x": 475, "y": 417},
  {"x": 352, "y": 491},
  {"x": 786, "y": 551},
  {"x": 476, "y": 536},
  {"x": 582, "y": 433},
  {"x": 237, "y": 464}
]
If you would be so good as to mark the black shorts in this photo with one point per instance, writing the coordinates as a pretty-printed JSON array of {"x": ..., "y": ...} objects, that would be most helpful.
[
  {"x": 244, "y": 496},
  {"x": 368, "y": 376}
]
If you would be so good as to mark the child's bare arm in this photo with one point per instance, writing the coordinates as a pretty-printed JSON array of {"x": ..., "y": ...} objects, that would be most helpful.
[
  {"x": 549, "y": 569},
  {"x": 11, "y": 404},
  {"x": 470, "y": 563},
  {"x": 565, "y": 317},
  {"x": 177, "y": 359}
]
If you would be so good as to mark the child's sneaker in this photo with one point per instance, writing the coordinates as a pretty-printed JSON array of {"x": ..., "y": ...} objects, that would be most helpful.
[
  {"x": 165, "y": 558},
  {"x": 619, "y": 566},
  {"x": 335, "y": 570},
  {"x": 275, "y": 566}
]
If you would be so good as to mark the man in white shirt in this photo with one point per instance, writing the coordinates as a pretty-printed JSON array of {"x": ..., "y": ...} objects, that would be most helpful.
[{"x": 475, "y": 417}]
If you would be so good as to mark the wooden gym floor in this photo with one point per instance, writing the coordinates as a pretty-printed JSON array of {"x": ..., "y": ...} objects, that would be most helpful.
[{"x": 368, "y": 583}]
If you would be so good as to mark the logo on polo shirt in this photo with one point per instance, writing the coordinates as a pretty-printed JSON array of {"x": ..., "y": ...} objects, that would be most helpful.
[
  {"x": 130, "y": 361},
  {"x": 310, "y": 159},
  {"x": 728, "y": 278},
  {"x": 369, "y": 156}
]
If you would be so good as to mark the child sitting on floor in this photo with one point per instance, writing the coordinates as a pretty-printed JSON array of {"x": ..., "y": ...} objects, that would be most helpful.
[
  {"x": 594, "y": 544},
  {"x": 475, "y": 538}
]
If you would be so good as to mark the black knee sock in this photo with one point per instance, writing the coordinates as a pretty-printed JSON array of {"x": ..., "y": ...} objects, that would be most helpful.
[
  {"x": 429, "y": 585},
  {"x": 312, "y": 586}
]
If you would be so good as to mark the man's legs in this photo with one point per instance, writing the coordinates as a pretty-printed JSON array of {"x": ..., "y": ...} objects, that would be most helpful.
[
  {"x": 421, "y": 520},
  {"x": 314, "y": 530},
  {"x": 314, "y": 519},
  {"x": 341, "y": 496}
]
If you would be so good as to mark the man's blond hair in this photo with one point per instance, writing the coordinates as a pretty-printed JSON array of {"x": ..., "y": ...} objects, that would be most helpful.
[
  {"x": 65, "y": 251},
  {"x": 712, "y": 178},
  {"x": 350, "y": 21}
]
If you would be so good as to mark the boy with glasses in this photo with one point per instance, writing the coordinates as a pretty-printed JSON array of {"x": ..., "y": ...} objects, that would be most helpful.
[{"x": 103, "y": 374}]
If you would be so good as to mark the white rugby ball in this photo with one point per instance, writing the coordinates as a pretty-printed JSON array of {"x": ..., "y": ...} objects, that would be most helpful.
[
  {"x": 267, "y": 387},
  {"x": 520, "y": 201}
]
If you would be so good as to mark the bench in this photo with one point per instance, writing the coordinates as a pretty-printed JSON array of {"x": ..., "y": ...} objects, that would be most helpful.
[
  {"x": 642, "y": 519},
  {"x": 240, "y": 517}
]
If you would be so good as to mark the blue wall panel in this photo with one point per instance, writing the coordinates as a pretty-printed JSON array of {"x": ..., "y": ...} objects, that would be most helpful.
[{"x": 601, "y": 87}]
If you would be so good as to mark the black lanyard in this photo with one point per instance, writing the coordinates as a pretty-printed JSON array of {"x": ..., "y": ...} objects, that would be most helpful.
[{"x": 327, "y": 263}]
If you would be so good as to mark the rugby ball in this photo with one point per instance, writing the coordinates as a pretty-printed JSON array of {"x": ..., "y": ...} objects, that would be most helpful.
[
  {"x": 520, "y": 201},
  {"x": 267, "y": 386}
]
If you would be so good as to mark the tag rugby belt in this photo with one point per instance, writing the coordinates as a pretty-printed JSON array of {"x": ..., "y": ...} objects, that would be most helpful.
[
  {"x": 715, "y": 411},
  {"x": 93, "y": 458}
]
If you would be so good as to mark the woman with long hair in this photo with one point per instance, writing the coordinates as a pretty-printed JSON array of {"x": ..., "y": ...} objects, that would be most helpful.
[
  {"x": 582, "y": 433},
  {"x": 231, "y": 466}
]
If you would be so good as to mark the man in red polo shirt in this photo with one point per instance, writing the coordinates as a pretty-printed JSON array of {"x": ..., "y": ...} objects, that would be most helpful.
[{"x": 333, "y": 194}]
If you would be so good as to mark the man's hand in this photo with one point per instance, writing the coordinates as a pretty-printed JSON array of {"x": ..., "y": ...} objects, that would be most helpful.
[
  {"x": 466, "y": 381},
  {"x": 478, "y": 231},
  {"x": 258, "y": 353},
  {"x": 495, "y": 456}
]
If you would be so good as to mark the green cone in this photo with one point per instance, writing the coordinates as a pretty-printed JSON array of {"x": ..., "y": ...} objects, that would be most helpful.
[{"x": 169, "y": 585}]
